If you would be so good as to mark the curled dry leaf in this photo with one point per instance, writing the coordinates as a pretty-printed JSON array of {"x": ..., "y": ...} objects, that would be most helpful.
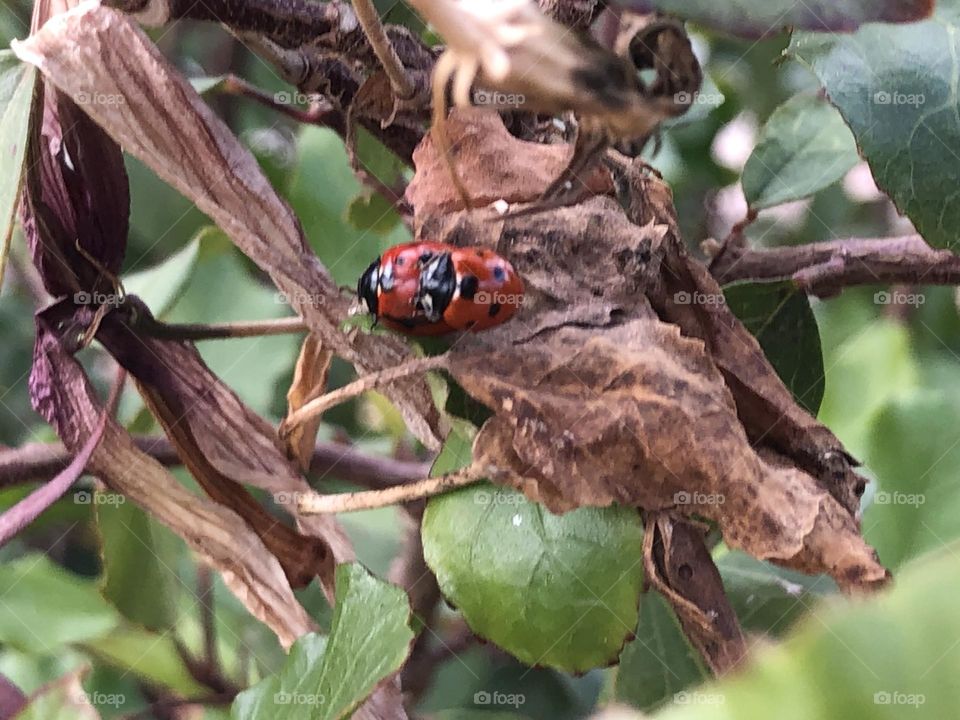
[
  {"x": 650, "y": 402},
  {"x": 223, "y": 443},
  {"x": 309, "y": 381},
  {"x": 62, "y": 394},
  {"x": 679, "y": 565},
  {"x": 93, "y": 49}
]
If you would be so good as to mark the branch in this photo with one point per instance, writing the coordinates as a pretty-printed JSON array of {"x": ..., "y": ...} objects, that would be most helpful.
[
  {"x": 39, "y": 461},
  {"x": 825, "y": 268}
]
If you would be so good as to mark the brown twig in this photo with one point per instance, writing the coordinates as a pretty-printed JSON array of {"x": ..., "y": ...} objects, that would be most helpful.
[
  {"x": 825, "y": 268},
  {"x": 39, "y": 461},
  {"x": 221, "y": 331},
  {"x": 400, "y": 82},
  {"x": 317, "y": 504},
  {"x": 320, "y": 113}
]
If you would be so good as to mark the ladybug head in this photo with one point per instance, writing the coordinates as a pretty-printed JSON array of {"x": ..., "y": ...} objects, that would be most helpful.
[
  {"x": 438, "y": 282},
  {"x": 367, "y": 286}
]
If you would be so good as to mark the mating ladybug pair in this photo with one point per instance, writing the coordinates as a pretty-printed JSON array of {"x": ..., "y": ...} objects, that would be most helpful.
[{"x": 431, "y": 288}]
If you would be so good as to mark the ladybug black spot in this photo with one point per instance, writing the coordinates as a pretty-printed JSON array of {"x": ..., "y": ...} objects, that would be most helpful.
[
  {"x": 468, "y": 286},
  {"x": 494, "y": 309},
  {"x": 499, "y": 274},
  {"x": 400, "y": 260}
]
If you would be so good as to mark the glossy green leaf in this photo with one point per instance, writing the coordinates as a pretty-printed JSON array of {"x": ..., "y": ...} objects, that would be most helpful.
[
  {"x": 139, "y": 556},
  {"x": 16, "y": 94},
  {"x": 802, "y": 148},
  {"x": 758, "y": 18},
  {"x": 779, "y": 316},
  {"x": 327, "y": 678},
  {"x": 554, "y": 590},
  {"x": 659, "y": 662},
  {"x": 896, "y": 88},
  {"x": 891, "y": 657},
  {"x": 43, "y": 607}
]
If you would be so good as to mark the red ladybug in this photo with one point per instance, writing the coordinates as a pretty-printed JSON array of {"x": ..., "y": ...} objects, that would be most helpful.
[{"x": 428, "y": 288}]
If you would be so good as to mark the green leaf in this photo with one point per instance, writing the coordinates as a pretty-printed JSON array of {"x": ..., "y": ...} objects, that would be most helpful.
[
  {"x": 371, "y": 211},
  {"x": 222, "y": 289},
  {"x": 321, "y": 190},
  {"x": 779, "y": 316},
  {"x": 658, "y": 662},
  {"x": 327, "y": 678},
  {"x": 864, "y": 372},
  {"x": 804, "y": 147},
  {"x": 766, "y": 598},
  {"x": 554, "y": 590},
  {"x": 891, "y": 657},
  {"x": 63, "y": 699},
  {"x": 139, "y": 555},
  {"x": 913, "y": 451},
  {"x": 45, "y": 607},
  {"x": 758, "y": 18},
  {"x": 160, "y": 286},
  {"x": 150, "y": 656},
  {"x": 895, "y": 86},
  {"x": 17, "y": 80}
]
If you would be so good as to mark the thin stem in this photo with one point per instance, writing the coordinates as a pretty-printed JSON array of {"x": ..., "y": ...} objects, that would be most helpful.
[
  {"x": 320, "y": 405},
  {"x": 315, "y": 503},
  {"x": 220, "y": 331},
  {"x": 400, "y": 82},
  {"x": 37, "y": 461}
]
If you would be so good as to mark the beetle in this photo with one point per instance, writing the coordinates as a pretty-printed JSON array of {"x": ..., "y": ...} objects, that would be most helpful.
[{"x": 431, "y": 288}]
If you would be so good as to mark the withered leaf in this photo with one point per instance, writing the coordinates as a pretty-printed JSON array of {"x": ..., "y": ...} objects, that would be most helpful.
[
  {"x": 492, "y": 165},
  {"x": 223, "y": 443},
  {"x": 309, "y": 381},
  {"x": 94, "y": 50},
  {"x": 637, "y": 414},
  {"x": 62, "y": 394}
]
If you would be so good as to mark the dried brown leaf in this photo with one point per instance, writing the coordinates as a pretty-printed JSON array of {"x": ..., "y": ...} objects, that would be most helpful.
[
  {"x": 62, "y": 394},
  {"x": 492, "y": 165},
  {"x": 309, "y": 381},
  {"x": 159, "y": 118},
  {"x": 679, "y": 565}
]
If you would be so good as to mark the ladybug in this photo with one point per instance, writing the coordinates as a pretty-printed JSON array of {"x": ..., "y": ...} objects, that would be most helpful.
[{"x": 429, "y": 288}]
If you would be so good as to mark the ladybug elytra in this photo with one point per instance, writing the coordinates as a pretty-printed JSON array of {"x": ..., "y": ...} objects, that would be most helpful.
[{"x": 429, "y": 288}]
